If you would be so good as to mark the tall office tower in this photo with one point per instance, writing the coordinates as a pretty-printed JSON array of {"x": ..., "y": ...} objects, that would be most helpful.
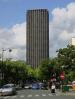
[{"x": 37, "y": 36}]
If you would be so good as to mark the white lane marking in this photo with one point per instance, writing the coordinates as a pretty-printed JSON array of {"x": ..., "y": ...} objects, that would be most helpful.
[
  {"x": 50, "y": 94},
  {"x": 22, "y": 96},
  {"x": 68, "y": 93},
  {"x": 29, "y": 96},
  {"x": 36, "y": 95},
  {"x": 13, "y": 97},
  {"x": 57, "y": 94},
  {"x": 43, "y": 94}
]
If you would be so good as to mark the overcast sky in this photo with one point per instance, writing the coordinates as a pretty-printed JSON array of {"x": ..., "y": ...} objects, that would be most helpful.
[{"x": 13, "y": 24}]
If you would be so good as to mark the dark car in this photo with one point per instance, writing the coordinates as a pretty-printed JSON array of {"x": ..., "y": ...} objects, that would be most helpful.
[
  {"x": 45, "y": 85},
  {"x": 35, "y": 85},
  {"x": 41, "y": 85}
]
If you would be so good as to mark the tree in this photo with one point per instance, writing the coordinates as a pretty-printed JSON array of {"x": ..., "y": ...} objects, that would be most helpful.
[
  {"x": 15, "y": 71},
  {"x": 30, "y": 73},
  {"x": 46, "y": 69},
  {"x": 66, "y": 58},
  {"x": 37, "y": 74}
]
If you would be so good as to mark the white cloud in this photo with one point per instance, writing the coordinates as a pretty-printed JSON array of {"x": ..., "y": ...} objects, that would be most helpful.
[
  {"x": 20, "y": 34},
  {"x": 14, "y": 38},
  {"x": 62, "y": 27},
  {"x": 65, "y": 35},
  {"x": 5, "y": 37},
  {"x": 19, "y": 41}
]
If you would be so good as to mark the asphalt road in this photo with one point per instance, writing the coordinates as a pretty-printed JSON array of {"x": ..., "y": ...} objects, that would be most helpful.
[{"x": 39, "y": 94}]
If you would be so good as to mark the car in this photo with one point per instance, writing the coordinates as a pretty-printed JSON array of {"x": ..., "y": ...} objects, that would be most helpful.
[
  {"x": 27, "y": 86},
  {"x": 41, "y": 85},
  {"x": 8, "y": 89},
  {"x": 35, "y": 85},
  {"x": 45, "y": 86}
]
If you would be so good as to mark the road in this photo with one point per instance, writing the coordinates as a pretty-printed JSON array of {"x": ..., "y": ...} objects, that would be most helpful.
[{"x": 39, "y": 94}]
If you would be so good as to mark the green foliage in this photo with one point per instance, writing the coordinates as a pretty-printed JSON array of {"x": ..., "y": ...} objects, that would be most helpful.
[
  {"x": 14, "y": 71},
  {"x": 66, "y": 58},
  {"x": 46, "y": 69},
  {"x": 43, "y": 70},
  {"x": 30, "y": 72}
]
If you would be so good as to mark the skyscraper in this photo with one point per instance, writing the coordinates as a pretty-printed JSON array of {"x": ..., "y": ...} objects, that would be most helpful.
[{"x": 37, "y": 36}]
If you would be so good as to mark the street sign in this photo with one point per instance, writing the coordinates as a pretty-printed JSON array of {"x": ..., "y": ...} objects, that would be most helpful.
[{"x": 62, "y": 76}]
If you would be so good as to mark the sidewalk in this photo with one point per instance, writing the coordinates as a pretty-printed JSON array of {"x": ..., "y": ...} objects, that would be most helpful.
[{"x": 71, "y": 92}]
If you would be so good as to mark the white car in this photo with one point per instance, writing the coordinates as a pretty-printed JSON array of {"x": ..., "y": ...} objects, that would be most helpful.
[
  {"x": 8, "y": 89},
  {"x": 27, "y": 86}
]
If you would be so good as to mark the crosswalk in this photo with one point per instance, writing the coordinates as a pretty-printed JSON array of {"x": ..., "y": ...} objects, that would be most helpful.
[{"x": 36, "y": 95}]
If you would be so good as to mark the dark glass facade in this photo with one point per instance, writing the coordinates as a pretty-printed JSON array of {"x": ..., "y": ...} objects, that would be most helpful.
[{"x": 37, "y": 36}]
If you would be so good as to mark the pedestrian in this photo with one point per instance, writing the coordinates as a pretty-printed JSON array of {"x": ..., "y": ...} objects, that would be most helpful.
[{"x": 53, "y": 88}]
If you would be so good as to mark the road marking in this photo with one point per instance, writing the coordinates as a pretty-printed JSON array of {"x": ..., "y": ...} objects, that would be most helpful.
[
  {"x": 36, "y": 95},
  {"x": 6, "y": 97},
  {"x": 13, "y": 97},
  {"x": 43, "y": 94},
  {"x": 29, "y": 96},
  {"x": 68, "y": 94},
  {"x": 50, "y": 94},
  {"x": 58, "y": 94},
  {"x": 22, "y": 96}
]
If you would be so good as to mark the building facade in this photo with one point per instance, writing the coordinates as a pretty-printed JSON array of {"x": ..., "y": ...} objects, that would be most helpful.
[
  {"x": 37, "y": 36},
  {"x": 73, "y": 41}
]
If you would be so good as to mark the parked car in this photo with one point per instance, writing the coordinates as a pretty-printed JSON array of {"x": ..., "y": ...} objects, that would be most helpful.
[
  {"x": 35, "y": 85},
  {"x": 8, "y": 89},
  {"x": 27, "y": 86},
  {"x": 41, "y": 85},
  {"x": 45, "y": 86}
]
